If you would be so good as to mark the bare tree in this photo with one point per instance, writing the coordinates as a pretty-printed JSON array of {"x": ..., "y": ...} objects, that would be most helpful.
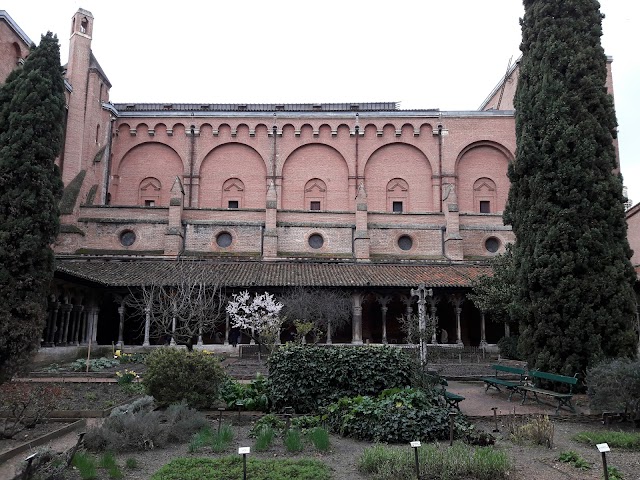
[
  {"x": 180, "y": 310},
  {"x": 326, "y": 309}
]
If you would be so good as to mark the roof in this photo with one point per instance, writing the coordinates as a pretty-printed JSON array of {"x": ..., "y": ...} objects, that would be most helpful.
[
  {"x": 272, "y": 274},
  {"x": 258, "y": 107},
  {"x": 23, "y": 36}
]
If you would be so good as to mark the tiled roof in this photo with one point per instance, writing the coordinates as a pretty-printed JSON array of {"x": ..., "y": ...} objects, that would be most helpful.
[{"x": 274, "y": 274}]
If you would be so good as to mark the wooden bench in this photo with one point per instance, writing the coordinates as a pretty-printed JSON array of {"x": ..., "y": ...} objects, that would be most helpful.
[
  {"x": 452, "y": 399},
  {"x": 497, "y": 381},
  {"x": 562, "y": 398}
]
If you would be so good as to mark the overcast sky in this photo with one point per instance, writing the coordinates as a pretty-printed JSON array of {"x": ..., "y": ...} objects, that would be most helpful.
[{"x": 421, "y": 53}]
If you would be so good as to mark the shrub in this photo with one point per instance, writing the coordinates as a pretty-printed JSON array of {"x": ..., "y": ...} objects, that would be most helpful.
[
  {"x": 393, "y": 417},
  {"x": 307, "y": 377},
  {"x": 458, "y": 461},
  {"x": 508, "y": 347},
  {"x": 25, "y": 405},
  {"x": 537, "y": 429},
  {"x": 253, "y": 395},
  {"x": 174, "y": 375},
  {"x": 614, "y": 385},
  {"x": 144, "y": 430},
  {"x": 230, "y": 468}
]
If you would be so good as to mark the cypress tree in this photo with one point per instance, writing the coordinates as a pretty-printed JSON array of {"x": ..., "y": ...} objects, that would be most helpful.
[
  {"x": 574, "y": 278},
  {"x": 32, "y": 106}
]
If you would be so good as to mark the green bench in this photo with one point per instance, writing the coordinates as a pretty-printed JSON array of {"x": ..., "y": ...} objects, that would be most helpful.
[
  {"x": 499, "y": 381},
  {"x": 452, "y": 399},
  {"x": 564, "y": 399}
]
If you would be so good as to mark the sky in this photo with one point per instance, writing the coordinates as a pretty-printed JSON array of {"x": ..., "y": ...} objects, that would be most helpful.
[{"x": 421, "y": 53}]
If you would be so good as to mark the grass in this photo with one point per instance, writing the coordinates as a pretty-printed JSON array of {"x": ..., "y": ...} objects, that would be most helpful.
[
  {"x": 537, "y": 429},
  {"x": 627, "y": 440},
  {"x": 131, "y": 463},
  {"x": 382, "y": 462},
  {"x": 86, "y": 465},
  {"x": 230, "y": 468},
  {"x": 217, "y": 441},
  {"x": 320, "y": 438},
  {"x": 264, "y": 438},
  {"x": 292, "y": 441}
]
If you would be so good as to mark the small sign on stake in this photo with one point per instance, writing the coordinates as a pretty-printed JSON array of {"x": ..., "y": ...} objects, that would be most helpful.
[{"x": 603, "y": 447}]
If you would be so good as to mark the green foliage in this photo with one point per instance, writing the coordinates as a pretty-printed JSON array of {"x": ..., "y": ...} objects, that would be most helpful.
[
  {"x": 230, "y": 468},
  {"x": 573, "y": 277},
  {"x": 508, "y": 347},
  {"x": 174, "y": 375},
  {"x": 627, "y": 440},
  {"x": 218, "y": 441},
  {"x": 136, "y": 357},
  {"x": 574, "y": 459},
  {"x": 396, "y": 417},
  {"x": 264, "y": 438},
  {"x": 614, "y": 385},
  {"x": 142, "y": 429},
  {"x": 308, "y": 377},
  {"x": 95, "y": 364},
  {"x": 70, "y": 193},
  {"x": 253, "y": 395},
  {"x": 614, "y": 473},
  {"x": 306, "y": 422},
  {"x": 272, "y": 421},
  {"x": 319, "y": 437},
  {"x": 131, "y": 463},
  {"x": 86, "y": 465},
  {"x": 293, "y": 441},
  {"x": 382, "y": 462},
  {"x": 32, "y": 112}
]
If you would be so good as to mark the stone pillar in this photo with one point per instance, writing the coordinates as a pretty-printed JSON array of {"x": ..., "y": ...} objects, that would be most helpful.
[
  {"x": 433, "y": 314},
  {"x": 361, "y": 240},
  {"x": 84, "y": 323},
  {"x": 507, "y": 330},
  {"x": 66, "y": 314},
  {"x": 483, "y": 332},
  {"x": 226, "y": 328},
  {"x": 94, "y": 325},
  {"x": 173, "y": 331},
  {"x": 356, "y": 324},
  {"x": 77, "y": 320},
  {"x": 121, "y": 326},
  {"x": 270, "y": 236},
  {"x": 147, "y": 325},
  {"x": 384, "y": 301},
  {"x": 200, "y": 343},
  {"x": 457, "y": 300},
  {"x": 422, "y": 292},
  {"x": 329, "y": 339},
  {"x": 53, "y": 324}
]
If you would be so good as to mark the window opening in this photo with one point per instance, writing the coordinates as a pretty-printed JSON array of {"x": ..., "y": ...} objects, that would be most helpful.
[
  {"x": 233, "y": 204},
  {"x": 405, "y": 242},
  {"x": 316, "y": 241},
  {"x": 397, "y": 207},
  {"x": 485, "y": 206},
  {"x": 314, "y": 206}
]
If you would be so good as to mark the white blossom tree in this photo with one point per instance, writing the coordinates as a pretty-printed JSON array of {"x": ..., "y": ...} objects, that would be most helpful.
[{"x": 259, "y": 317}]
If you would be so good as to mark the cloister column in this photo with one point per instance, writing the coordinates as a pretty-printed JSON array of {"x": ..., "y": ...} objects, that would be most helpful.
[
  {"x": 433, "y": 306},
  {"x": 52, "y": 324},
  {"x": 457, "y": 300},
  {"x": 384, "y": 301},
  {"x": 226, "y": 328},
  {"x": 66, "y": 314},
  {"x": 483, "y": 331},
  {"x": 77, "y": 320},
  {"x": 84, "y": 323},
  {"x": 94, "y": 323},
  {"x": 147, "y": 325},
  {"x": 356, "y": 324},
  {"x": 121, "y": 326}
]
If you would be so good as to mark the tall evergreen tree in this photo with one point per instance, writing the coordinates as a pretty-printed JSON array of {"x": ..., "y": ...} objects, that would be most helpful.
[
  {"x": 574, "y": 277},
  {"x": 32, "y": 107}
]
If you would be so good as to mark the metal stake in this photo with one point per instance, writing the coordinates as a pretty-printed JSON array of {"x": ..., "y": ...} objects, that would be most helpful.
[
  {"x": 415, "y": 446},
  {"x": 495, "y": 418},
  {"x": 220, "y": 409}
]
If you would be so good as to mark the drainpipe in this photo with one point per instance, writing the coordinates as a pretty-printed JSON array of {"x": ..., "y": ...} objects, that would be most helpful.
[
  {"x": 442, "y": 232},
  {"x": 440, "y": 164},
  {"x": 191, "y": 159},
  {"x": 357, "y": 130},
  {"x": 107, "y": 197}
]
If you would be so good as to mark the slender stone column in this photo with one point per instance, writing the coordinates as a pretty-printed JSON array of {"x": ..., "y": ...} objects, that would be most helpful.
[
  {"x": 121, "y": 326},
  {"x": 94, "y": 324},
  {"x": 53, "y": 325},
  {"x": 200, "y": 343},
  {"x": 384, "y": 301},
  {"x": 433, "y": 314},
  {"x": 329, "y": 339},
  {"x": 483, "y": 331},
  {"x": 457, "y": 300},
  {"x": 507, "y": 330},
  {"x": 89, "y": 322},
  {"x": 356, "y": 324},
  {"x": 173, "y": 331},
  {"x": 408, "y": 301},
  {"x": 226, "y": 328},
  {"x": 147, "y": 325},
  {"x": 84, "y": 323},
  {"x": 77, "y": 320},
  {"x": 66, "y": 314},
  {"x": 421, "y": 292}
]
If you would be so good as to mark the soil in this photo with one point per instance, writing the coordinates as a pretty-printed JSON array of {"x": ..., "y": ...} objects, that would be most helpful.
[{"x": 29, "y": 434}]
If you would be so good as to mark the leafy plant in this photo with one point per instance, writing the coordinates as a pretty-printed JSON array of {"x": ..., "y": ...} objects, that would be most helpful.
[
  {"x": 126, "y": 377},
  {"x": 95, "y": 364},
  {"x": 174, "y": 375},
  {"x": 264, "y": 438},
  {"x": 574, "y": 459},
  {"x": 293, "y": 441},
  {"x": 614, "y": 473},
  {"x": 254, "y": 396},
  {"x": 271, "y": 420},
  {"x": 136, "y": 357},
  {"x": 308, "y": 377},
  {"x": 398, "y": 417},
  {"x": 320, "y": 438},
  {"x": 131, "y": 463}
]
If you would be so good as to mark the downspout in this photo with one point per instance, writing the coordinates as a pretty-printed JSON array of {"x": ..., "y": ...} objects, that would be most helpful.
[
  {"x": 191, "y": 159},
  {"x": 357, "y": 130},
  {"x": 442, "y": 233},
  {"x": 107, "y": 196},
  {"x": 440, "y": 165}
]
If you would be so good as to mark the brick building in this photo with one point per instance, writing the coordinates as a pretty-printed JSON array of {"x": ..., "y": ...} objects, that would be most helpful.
[{"x": 365, "y": 197}]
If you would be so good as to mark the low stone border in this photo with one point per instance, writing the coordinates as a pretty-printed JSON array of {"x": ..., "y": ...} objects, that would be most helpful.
[
  {"x": 65, "y": 415},
  {"x": 42, "y": 440}
]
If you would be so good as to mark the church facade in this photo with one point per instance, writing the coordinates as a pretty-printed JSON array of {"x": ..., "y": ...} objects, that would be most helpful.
[{"x": 364, "y": 197}]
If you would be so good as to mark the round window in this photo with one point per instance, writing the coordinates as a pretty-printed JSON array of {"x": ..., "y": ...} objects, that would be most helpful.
[
  {"x": 492, "y": 244},
  {"x": 224, "y": 239},
  {"x": 316, "y": 241},
  {"x": 127, "y": 238},
  {"x": 405, "y": 242}
]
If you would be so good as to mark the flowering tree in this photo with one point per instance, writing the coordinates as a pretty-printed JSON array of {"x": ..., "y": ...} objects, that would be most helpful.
[{"x": 259, "y": 316}]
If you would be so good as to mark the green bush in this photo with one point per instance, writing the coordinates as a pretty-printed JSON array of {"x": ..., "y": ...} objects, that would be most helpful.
[
  {"x": 393, "y": 417},
  {"x": 614, "y": 385},
  {"x": 508, "y": 347},
  {"x": 175, "y": 375},
  {"x": 254, "y": 396},
  {"x": 307, "y": 377}
]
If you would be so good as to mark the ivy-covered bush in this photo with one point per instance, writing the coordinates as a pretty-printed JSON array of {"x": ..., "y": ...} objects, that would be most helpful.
[
  {"x": 306, "y": 377},
  {"x": 614, "y": 385},
  {"x": 175, "y": 375},
  {"x": 395, "y": 416},
  {"x": 508, "y": 347}
]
